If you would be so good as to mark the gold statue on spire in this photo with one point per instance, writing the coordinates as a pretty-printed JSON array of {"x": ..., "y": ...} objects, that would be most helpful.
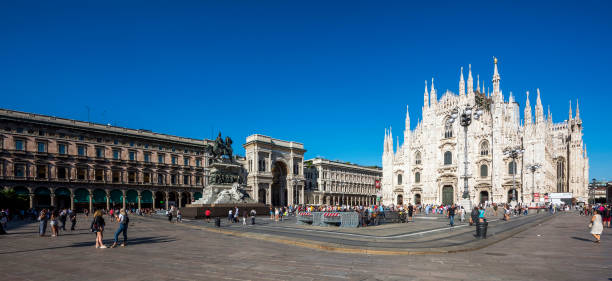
[{"x": 495, "y": 60}]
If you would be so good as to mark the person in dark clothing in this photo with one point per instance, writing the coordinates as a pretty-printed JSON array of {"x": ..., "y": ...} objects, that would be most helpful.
[
  {"x": 451, "y": 215},
  {"x": 474, "y": 216},
  {"x": 72, "y": 217},
  {"x": 410, "y": 212}
]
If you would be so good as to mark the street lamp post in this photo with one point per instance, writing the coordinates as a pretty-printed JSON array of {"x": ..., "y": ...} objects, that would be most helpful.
[
  {"x": 514, "y": 153},
  {"x": 465, "y": 121},
  {"x": 533, "y": 168}
]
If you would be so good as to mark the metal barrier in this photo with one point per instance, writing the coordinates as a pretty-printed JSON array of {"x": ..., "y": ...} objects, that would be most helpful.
[
  {"x": 349, "y": 219},
  {"x": 304, "y": 218},
  {"x": 316, "y": 218},
  {"x": 331, "y": 219}
]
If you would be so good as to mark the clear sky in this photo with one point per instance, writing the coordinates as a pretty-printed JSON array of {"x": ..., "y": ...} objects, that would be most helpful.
[{"x": 329, "y": 74}]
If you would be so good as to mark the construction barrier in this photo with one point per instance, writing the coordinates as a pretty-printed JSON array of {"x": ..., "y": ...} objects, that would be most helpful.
[
  {"x": 329, "y": 219},
  {"x": 304, "y": 218},
  {"x": 316, "y": 218}
]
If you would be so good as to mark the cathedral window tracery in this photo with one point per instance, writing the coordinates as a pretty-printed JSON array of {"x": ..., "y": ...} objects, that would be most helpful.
[
  {"x": 417, "y": 158},
  {"x": 484, "y": 148},
  {"x": 448, "y": 129}
]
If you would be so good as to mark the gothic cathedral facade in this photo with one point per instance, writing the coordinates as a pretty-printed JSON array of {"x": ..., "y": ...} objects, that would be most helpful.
[{"x": 429, "y": 166}]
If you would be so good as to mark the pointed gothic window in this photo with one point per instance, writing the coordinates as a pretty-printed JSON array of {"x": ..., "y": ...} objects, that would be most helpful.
[
  {"x": 417, "y": 158},
  {"x": 448, "y": 158},
  {"x": 484, "y": 171},
  {"x": 417, "y": 177},
  {"x": 561, "y": 176},
  {"x": 484, "y": 148}
]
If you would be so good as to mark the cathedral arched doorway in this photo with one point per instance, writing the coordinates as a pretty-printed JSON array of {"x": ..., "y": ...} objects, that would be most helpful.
[
  {"x": 417, "y": 199},
  {"x": 400, "y": 199},
  {"x": 447, "y": 195},
  {"x": 511, "y": 195},
  {"x": 279, "y": 184},
  {"x": 484, "y": 196}
]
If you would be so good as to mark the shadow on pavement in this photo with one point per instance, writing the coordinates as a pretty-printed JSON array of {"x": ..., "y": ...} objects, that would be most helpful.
[
  {"x": 131, "y": 242},
  {"x": 582, "y": 239}
]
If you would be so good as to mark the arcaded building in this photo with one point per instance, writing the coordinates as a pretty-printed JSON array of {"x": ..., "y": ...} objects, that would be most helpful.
[
  {"x": 64, "y": 163},
  {"x": 340, "y": 183}
]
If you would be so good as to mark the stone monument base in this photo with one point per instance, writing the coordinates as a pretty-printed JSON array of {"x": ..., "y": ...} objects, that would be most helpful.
[
  {"x": 466, "y": 203},
  {"x": 196, "y": 211}
]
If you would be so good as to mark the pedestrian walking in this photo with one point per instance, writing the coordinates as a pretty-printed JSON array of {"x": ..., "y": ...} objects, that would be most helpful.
[
  {"x": 410, "y": 212},
  {"x": 474, "y": 216},
  {"x": 462, "y": 214},
  {"x": 72, "y": 216},
  {"x": 54, "y": 224},
  {"x": 86, "y": 211},
  {"x": 42, "y": 225},
  {"x": 62, "y": 218},
  {"x": 596, "y": 226},
  {"x": 244, "y": 217},
  {"x": 230, "y": 215},
  {"x": 606, "y": 216},
  {"x": 169, "y": 214},
  {"x": 123, "y": 220},
  {"x": 97, "y": 227},
  {"x": 451, "y": 215},
  {"x": 179, "y": 215},
  {"x": 207, "y": 214}
]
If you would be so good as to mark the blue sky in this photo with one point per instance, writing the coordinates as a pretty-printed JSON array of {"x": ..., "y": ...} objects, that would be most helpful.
[{"x": 329, "y": 74}]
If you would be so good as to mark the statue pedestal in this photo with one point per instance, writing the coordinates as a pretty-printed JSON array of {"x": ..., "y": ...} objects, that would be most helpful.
[{"x": 466, "y": 203}]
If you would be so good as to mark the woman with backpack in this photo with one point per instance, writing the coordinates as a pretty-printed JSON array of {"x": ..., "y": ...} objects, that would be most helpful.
[
  {"x": 97, "y": 227},
  {"x": 123, "y": 220}
]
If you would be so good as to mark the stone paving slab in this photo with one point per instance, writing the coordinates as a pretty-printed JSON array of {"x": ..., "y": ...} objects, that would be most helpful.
[{"x": 558, "y": 249}]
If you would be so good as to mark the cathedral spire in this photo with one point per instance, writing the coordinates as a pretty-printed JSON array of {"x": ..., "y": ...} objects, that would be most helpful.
[
  {"x": 539, "y": 110},
  {"x": 391, "y": 139},
  {"x": 577, "y": 110},
  {"x": 407, "y": 119},
  {"x": 527, "y": 110},
  {"x": 496, "y": 77},
  {"x": 426, "y": 96},
  {"x": 570, "y": 111},
  {"x": 470, "y": 81},
  {"x": 478, "y": 82},
  {"x": 461, "y": 84},
  {"x": 433, "y": 96},
  {"x": 549, "y": 116}
]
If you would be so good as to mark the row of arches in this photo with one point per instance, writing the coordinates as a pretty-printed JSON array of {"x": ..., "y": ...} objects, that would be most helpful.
[{"x": 82, "y": 198}]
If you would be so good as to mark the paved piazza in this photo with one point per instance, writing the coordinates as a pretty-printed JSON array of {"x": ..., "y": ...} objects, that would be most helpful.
[{"x": 558, "y": 248}]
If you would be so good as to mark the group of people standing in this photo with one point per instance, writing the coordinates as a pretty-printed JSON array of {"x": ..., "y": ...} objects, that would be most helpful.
[
  {"x": 98, "y": 224},
  {"x": 56, "y": 219}
]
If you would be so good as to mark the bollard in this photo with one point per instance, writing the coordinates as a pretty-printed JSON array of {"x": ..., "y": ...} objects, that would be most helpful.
[{"x": 218, "y": 222}]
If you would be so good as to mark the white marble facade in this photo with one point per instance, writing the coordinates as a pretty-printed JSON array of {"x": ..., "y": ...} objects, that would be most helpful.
[{"x": 416, "y": 170}]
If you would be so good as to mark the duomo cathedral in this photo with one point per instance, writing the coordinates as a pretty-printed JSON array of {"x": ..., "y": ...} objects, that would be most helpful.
[{"x": 429, "y": 165}]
